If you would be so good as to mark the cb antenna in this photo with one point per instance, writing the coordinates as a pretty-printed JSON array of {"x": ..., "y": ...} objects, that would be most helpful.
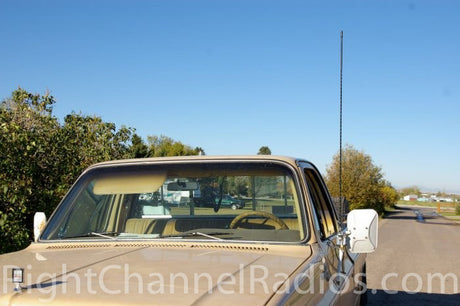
[{"x": 342, "y": 209}]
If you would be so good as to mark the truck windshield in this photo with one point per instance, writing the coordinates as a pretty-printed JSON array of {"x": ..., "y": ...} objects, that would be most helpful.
[{"x": 250, "y": 201}]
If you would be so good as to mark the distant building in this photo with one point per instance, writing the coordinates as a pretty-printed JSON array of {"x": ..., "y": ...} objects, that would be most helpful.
[
  {"x": 450, "y": 200},
  {"x": 424, "y": 199},
  {"x": 410, "y": 197},
  {"x": 435, "y": 198}
]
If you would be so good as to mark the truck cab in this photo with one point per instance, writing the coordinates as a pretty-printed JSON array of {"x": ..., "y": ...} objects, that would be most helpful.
[{"x": 284, "y": 245}]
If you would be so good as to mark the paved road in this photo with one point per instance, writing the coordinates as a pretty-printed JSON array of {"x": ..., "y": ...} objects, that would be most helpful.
[{"x": 417, "y": 260}]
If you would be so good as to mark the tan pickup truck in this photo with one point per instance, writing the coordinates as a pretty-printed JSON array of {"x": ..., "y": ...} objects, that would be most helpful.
[{"x": 118, "y": 237}]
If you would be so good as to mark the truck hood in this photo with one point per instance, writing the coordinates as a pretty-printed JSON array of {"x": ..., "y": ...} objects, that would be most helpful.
[{"x": 155, "y": 273}]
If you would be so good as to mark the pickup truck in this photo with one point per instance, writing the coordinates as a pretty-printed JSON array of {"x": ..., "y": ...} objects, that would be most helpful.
[{"x": 114, "y": 239}]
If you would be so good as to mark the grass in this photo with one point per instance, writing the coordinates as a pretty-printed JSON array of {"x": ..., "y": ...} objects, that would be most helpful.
[
  {"x": 448, "y": 213},
  {"x": 417, "y": 203},
  {"x": 451, "y": 214},
  {"x": 262, "y": 204}
]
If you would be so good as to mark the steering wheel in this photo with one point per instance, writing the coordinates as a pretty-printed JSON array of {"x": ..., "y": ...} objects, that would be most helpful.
[{"x": 263, "y": 214}]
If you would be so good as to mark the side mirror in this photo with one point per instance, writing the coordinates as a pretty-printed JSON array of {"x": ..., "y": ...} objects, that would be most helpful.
[
  {"x": 362, "y": 230},
  {"x": 39, "y": 224}
]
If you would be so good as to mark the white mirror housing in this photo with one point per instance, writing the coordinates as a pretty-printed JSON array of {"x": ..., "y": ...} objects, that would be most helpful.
[
  {"x": 39, "y": 224},
  {"x": 362, "y": 231}
]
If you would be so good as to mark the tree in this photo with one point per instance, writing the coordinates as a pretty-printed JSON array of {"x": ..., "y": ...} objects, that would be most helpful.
[
  {"x": 362, "y": 181},
  {"x": 411, "y": 190},
  {"x": 388, "y": 194},
  {"x": 238, "y": 185},
  {"x": 138, "y": 148},
  {"x": 264, "y": 150},
  {"x": 29, "y": 160},
  {"x": 159, "y": 146},
  {"x": 85, "y": 140},
  {"x": 40, "y": 159}
]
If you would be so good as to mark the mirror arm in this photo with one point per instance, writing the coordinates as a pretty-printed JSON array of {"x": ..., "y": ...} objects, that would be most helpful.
[{"x": 341, "y": 243}]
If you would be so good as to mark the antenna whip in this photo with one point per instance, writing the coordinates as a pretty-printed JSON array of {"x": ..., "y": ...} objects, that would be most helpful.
[{"x": 340, "y": 145}]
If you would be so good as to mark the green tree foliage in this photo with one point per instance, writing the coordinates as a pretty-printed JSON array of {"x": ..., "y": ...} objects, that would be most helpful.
[
  {"x": 362, "y": 181},
  {"x": 138, "y": 148},
  {"x": 388, "y": 195},
  {"x": 40, "y": 158},
  {"x": 245, "y": 186},
  {"x": 411, "y": 190},
  {"x": 159, "y": 146},
  {"x": 85, "y": 140},
  {"x": 238, "y": 186},
  {"x": 28, "y": 149},
  {"x": 264, "y": 150}
]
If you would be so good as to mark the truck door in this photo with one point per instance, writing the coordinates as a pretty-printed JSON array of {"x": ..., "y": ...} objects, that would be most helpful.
[{"x": 327, "y": 228}]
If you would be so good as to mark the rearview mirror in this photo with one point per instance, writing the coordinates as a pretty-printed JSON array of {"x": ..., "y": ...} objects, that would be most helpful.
[
  {"x": 362, "y": 230},
  {"x": 39, "y": 224}
]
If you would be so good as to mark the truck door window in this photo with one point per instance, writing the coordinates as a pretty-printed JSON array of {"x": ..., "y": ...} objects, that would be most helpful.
[{"x": 321, "y": 204}]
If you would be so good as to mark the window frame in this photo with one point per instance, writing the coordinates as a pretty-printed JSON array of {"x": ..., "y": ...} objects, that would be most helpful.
[
  {"x": 324, "y": 217},
  {"x": 66, "y": 205}
]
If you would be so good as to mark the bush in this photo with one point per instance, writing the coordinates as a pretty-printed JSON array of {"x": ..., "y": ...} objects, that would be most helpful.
[
  {"x": 40, "y": 159},
  {"x": 362, "y": 181}
]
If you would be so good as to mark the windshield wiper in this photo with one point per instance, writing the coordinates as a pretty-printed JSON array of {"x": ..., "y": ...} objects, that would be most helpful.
[
  {"x": 107, "y": 235},
  {"x": 195, "y": 234}
]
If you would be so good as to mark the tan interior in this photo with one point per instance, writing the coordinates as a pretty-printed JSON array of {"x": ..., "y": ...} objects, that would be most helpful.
[
  {"x": 175, "y": 226},
  {"x": 140, "y": 226}
]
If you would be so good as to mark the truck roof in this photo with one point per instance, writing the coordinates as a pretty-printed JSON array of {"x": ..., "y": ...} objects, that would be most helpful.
[{"x": 287, "y": 159}]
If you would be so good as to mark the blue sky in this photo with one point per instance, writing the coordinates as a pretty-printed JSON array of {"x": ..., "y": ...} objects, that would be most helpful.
[{"x": 232, "y": 76}]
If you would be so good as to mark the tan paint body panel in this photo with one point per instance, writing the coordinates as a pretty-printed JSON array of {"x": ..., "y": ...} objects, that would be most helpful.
[
  {"x": 119, "y": 265},
  {"x": 72, "y": 272}
]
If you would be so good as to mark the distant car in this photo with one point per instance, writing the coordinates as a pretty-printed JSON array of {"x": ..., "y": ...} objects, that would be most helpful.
[{"x": 229, "y": 201}]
